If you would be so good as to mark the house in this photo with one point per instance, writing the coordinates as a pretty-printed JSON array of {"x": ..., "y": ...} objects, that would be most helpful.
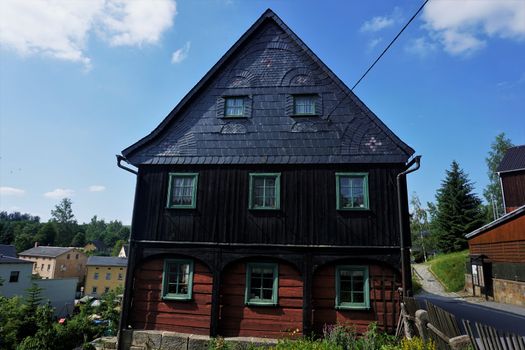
[
  {"x": 497, "y": 250},
  {"x": 15, "y": 276},
  {"x": 8, "y": 250},
  {"x": 266, "y": 202},
  {"x": 124, "y": 251},
  {"x": 56, "y": 262},
  {"x": 104, "y": 273},
  {"x": 96, "y": 246},
  {"x": 511, "y": 172}
]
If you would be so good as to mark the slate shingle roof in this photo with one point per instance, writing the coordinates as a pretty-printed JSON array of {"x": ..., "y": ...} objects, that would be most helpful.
[
  {"x": 8, "y": 250},
  {"x": 52, "y": 252},
  {"x": 513, "y": 160},
  {"x": 268, "y": 64},
  {"x": 107, "y": 261},
  {"x": 10, "y": 260}
]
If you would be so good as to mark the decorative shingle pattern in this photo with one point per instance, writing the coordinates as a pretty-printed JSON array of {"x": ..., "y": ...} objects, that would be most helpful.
[{"x": 269, "y": 65}]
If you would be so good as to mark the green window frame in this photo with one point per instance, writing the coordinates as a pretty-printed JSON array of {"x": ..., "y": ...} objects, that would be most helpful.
[
  {"x": 265, "y": 191},
  {"x": 304, "y": 105},
  {"x": 177, "y": 279},
  {"x": 182, "y": 190},
  {"x": 262, "y": 284},
  {"x": 352, "y": 287},
  {"x": 234, "y": 106},
  {"x": 352, "y": 191}
]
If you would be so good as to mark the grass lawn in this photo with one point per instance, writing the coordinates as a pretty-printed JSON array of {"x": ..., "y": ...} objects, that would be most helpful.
[{"x": 450, "y": 270}]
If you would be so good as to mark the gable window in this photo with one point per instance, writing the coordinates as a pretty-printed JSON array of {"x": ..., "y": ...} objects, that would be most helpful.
[
  {"x": 13, "y": 277},
  {"x": 182, "y": 190},
  {"x": 234, "y": 106},
  {"x": 262, "y": 284},
  {"x": 177, "y": 279},
  {"x": 304, "y": 105},
  {"x": 265, "y": 191},
  {"x": 352, "y": 290},
  {"x": 352, "y": 191}
]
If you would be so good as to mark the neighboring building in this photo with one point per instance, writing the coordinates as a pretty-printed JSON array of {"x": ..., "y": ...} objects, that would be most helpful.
[
  {"x": 15, "y": 276},
  {"x": 512, "y": 176},
  {"x": 266, "y": 201},
  {"x": 56, "y": 262},
  {"x": 497, "y": 250},
  {"x": 96, "y": 246},
  {"x": 59, "y": 293},
  {"x": 105, "y": 273},
  {"x": 8, "y": 250},
  {"x": 124, "y": 251}
]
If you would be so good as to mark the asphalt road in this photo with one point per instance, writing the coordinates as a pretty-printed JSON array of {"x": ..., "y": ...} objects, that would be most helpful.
[{"x": 498, "y": 319}]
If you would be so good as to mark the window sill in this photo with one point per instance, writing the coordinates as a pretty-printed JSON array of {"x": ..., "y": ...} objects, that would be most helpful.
[
  {"x": 234, "y": 117},
  {"x": 273, "y": 209},
  {"x": 353, "y": 307},
  {"x": 177, "y": 298},
  {"x": 261, "y": 303},
  {"x": 353, "y": 209},
  {"x": 181, "y": 207},
  {"x": 295, "y": 115}
]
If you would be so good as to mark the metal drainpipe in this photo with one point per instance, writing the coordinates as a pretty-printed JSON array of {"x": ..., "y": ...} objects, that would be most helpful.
[
  {"x": 404, "y": 263},
  {"x": 131, "y": 263}
]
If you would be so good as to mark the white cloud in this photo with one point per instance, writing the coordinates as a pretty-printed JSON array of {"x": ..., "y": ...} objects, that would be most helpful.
[
  {"x": 180, "y": 54},
  {"x": 97, "y": 188},
  {"x": 59, "y": 193},
  {"x": 377, "y": 23},
  {"x": 420, "y": 46},
  {"x": 462, "y": 27},
  {"x": 11, "y": 191},
  {"x": 374, "y": 42},
  {"x": 381, "y": 22},
  {"x": 61, "y": 28}
]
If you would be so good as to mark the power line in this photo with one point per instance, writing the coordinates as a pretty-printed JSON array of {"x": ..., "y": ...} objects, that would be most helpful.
[{"x": 393, "y": 40}]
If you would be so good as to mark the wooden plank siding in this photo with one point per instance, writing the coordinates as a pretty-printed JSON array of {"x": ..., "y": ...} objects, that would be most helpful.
[
  {"x": 503, "y": 243},
  {"x": 384, "y": 300},
  {"x": 513, "y": 189},
  {"x": 308, "y": 214},
  {"x": 240, "y": 320},
  {"x": 150, "y": 312}
]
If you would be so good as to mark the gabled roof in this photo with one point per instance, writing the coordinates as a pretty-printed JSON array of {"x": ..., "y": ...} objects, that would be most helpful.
[
  {"x": 10, "y": 260},
  {"x": 505, "y": 218},
  {"x": 356, "y": 137},
  {"x": 100, "y": 245},
  {"x": 513, "y": 160},
  {"x": 107, "y": 261},
  {"x": 8, "y": 250},
  {"x": 50, "y": 252}
]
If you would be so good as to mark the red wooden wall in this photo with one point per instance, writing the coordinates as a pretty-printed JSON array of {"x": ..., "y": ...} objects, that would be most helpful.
[
  {"x": 384, "y": 300},
  {"x": 150, "y": 312},
  {"x": 513, "y": 189},
  {"x": 240, "y": 320},
  {"x": 503, "y": 243}
]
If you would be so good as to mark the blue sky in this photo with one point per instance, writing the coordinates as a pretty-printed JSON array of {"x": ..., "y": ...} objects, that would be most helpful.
[{"x": 82, "y": 80}]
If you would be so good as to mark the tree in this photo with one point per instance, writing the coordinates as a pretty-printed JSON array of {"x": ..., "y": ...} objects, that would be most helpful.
[
  {"x": 79, "y": 240},
  {"x": 46, "y": 234},
  {"x": 492, "y": 192},
  {"x": 65, "y": 221},
  {"x": 422, "y": 239},
  {"x": 458, "y": 210},
  {"x": 95, "y": 229},
  {"x": 23, "y": 242}
]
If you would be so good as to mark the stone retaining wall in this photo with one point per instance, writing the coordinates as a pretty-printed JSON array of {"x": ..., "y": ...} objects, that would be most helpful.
[
  {"x": 509, "y": 292},
  {"x": 158, "y": 340}
]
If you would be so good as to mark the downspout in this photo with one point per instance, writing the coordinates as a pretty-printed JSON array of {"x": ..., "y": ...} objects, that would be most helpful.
[
  {"x": 131, "y": 264},
  {"x": 502, "y": 196},
  {"x": 416, "y": 160}
]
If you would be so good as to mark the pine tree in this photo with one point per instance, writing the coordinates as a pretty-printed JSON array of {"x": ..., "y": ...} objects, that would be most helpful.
[{"x": 458, "y": 210}]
